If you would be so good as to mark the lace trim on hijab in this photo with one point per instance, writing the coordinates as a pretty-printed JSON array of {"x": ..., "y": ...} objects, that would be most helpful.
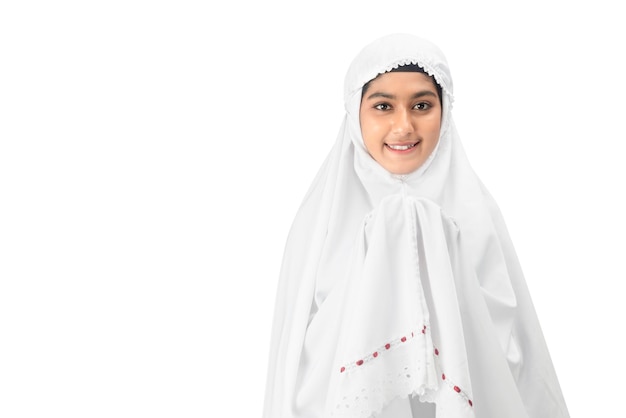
[
  {"x": 398, "y": 384},
  {"x": 380, "y": 351},
  {"x": 414, "y": 61}
]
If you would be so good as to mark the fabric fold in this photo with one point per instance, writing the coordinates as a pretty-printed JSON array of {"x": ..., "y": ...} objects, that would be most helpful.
[
  {"x": 385, "y": 349},
  {"x": 400, "y": 273}
]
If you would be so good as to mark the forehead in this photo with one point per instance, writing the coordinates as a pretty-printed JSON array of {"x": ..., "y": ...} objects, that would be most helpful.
[{"x": 399, "y": 81}]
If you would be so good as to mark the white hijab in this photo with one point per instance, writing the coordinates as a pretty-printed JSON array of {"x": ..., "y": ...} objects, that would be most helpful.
[{"x": 395, "y": 287}]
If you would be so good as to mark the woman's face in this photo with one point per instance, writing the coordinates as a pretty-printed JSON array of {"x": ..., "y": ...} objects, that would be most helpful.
[{"x": 400, "y": 118}]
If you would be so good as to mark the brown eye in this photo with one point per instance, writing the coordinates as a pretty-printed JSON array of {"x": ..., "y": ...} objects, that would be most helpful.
[
  {"x": 422, "y": 106},
  {"x": 382, "y": 106}
]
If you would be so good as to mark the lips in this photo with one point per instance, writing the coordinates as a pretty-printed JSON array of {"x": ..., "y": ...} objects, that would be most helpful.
[{"x": 402, "y": 147}]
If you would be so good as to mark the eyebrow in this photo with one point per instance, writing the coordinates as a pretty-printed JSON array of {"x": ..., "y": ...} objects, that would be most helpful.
[{"x": 392, "y": 97}]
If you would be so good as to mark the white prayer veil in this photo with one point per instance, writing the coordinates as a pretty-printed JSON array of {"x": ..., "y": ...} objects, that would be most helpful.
[{"x": 404, "y": 286}]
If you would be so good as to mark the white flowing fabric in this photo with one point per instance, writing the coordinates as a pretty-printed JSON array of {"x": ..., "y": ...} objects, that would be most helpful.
[{"x": 396, "y": 291}]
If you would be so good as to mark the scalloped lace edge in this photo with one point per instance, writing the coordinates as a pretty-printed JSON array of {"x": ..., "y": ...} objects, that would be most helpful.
[{"x": 416, "y": 61}]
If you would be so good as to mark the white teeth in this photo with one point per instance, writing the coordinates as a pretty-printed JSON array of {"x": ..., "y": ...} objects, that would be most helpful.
[{"x": 401, "y": 147}]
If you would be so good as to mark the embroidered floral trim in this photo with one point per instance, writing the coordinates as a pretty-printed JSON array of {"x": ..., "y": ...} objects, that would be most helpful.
[
  {"x": 453, "y": 386},
  {"x": 397, "y": 342},
  {"x": 381, "y": 350}
]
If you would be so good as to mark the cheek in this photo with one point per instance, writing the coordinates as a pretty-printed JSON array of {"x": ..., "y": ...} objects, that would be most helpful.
[
  {"x": 434, "y": 128},
  {"x": 369, "y": 141},
  {"x": 370, "y": 131},
  {"x": 431, "y": 136},
  {"x": 373, "y": 140}
]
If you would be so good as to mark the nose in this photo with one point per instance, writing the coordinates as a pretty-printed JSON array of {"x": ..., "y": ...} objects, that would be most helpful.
[{"x": 402, "y": 122}]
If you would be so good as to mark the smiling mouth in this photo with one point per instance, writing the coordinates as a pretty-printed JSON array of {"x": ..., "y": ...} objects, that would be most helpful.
[{"x": 404, "y": 147}]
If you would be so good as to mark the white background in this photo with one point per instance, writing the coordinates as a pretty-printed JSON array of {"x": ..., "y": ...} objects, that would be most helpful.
[{"x": 153, "y": 155}]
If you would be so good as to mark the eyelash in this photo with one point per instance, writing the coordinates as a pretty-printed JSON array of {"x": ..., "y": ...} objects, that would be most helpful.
[{"x": 423, "y": 105}]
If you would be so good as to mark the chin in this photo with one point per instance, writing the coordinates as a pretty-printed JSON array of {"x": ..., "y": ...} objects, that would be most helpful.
[{"x": 404, "y": 169}]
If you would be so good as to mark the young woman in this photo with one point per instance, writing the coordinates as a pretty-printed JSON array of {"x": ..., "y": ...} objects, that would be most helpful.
[{"x": 400, "y": 292}]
